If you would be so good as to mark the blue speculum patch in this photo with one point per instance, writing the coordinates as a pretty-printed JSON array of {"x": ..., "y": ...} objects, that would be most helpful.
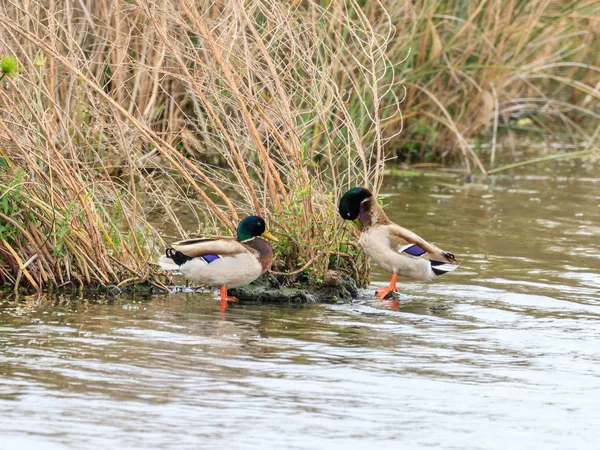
[
  {"x": 210, "y": 258},
  {"x": 415, "y": 250}
]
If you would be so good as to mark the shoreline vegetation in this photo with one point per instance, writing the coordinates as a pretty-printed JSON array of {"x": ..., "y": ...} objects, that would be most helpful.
[{"x": 128, "y": 124}]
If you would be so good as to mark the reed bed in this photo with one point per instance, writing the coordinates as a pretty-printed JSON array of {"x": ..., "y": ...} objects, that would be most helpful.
[
  {"x": 479, "y": 75},
  {"x": 118, "y": 109},
  {"x": 132, "y": 123}
]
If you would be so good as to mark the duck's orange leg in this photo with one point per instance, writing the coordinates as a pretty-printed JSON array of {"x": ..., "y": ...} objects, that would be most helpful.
[
  {"x": 225, "y": 298},
  {"x": 384, "y": 292}
]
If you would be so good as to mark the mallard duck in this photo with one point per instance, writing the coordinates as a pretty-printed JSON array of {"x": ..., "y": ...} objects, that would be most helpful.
[
  {"x": 223, "y": 262},
  {"x": 393, "y": 248}
]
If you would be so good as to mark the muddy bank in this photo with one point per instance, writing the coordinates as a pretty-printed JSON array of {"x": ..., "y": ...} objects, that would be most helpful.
[{"x": 335, "y": 287}]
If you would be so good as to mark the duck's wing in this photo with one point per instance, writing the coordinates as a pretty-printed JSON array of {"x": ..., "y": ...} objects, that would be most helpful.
[
  {"x": 405, "y": 241},
  {"x": 221, "y": 246}
]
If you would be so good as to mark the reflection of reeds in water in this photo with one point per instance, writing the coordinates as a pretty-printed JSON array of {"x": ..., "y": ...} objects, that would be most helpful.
[{"x": 192, "y": 111}]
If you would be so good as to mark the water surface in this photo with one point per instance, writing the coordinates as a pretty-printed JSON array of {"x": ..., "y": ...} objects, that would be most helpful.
[{"x": 504, "y": 353}]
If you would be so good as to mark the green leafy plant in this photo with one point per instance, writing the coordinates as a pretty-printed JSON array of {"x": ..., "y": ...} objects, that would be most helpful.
[{"x": 9, "y": 67}]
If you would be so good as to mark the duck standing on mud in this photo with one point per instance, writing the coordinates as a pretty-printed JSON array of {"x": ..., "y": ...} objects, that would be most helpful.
[
  {"x": 223, "y": 262},
  {"x": 394, "y": 248}
]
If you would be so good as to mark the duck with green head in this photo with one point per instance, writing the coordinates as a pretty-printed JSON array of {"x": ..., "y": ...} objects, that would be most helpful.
[
  {"x": 223, "y": 262},
  {"x": 394, "y": 248}
]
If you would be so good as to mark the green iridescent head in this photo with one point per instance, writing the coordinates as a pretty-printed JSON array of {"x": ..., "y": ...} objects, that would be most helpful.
[
  {"x": 251, "y": 227},
  {"x": 349, "y": 207}
]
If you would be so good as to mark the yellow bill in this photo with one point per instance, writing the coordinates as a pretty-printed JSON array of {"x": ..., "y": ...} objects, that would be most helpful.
[
  {"x": 269, "y": 236},
  {"x": 356, "y": 223}
]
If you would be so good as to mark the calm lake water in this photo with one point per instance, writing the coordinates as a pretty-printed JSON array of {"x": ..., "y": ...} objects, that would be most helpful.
[{"x": 503, "y": 353}]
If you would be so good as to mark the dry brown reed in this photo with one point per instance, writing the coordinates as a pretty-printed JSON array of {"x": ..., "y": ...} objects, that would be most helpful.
[
  {"x": 497, "y": 68},
  {"x": 189, "y": 114},
  {"x": 119, "y": 108}
]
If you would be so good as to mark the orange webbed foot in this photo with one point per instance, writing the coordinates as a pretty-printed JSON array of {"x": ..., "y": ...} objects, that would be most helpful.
[
  {"x": 382, "y": 293},
  {"x": 226, "y": 298}
]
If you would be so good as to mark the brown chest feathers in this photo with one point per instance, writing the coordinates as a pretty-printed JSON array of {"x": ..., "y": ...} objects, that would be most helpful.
[
  {"x": 264, "y": 250},
  {"x": 372, "y": 214}
]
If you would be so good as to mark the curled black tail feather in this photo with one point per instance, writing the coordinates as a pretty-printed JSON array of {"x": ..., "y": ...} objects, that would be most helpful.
[
  {"x": 177, "y": 257},
  {"x": 449, "y": 256}
]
